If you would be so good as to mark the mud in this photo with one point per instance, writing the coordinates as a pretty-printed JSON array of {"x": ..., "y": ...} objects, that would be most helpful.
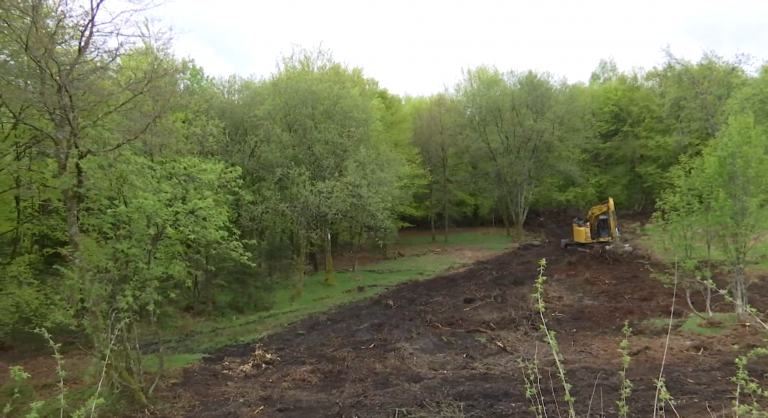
[{"x": 451, "y": 347}]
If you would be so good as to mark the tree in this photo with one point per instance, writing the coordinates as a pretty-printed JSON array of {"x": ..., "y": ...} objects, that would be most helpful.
[
  {"x": 684, "y": 225},
  {"x": 520, "y": 121},
  {"x": 723, "y": 198},
  {"x": 154, "y": 228},
  {"x": 696, "y": 96},
  {"x": 626, "y": 122},
  {"x": 436, "y": 137},
  {"x": 100, "y": 80},
  {"x": 606, "y": 71},
  {"x": 734, "y": 165},
  {"x": 317, "y": 128}
]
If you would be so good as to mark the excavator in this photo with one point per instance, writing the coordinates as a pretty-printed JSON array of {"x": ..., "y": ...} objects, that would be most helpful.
[{"x": 599, "y": 229}]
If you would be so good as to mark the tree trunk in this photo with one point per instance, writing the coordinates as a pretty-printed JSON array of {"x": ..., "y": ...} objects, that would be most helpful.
[
  {"x": 357, "y": 246},
  {"x": 432, "y": 225},
  {"x": 315, "y": 263},
  {"x": 353, "y": 253},
  {"x": 17, "y": 239},
  {"x": 72, "y": 202},
  {"x": 329, "y": 278},
  {"x": 505, "y": 218},
  {"x": 208, "y": 289},
  {"x": 690, "y": 303},
  {"x": 335, "y": 244},
  {"x": 519, "y": 229},
  {"x": 207, "y": 295},
  {"x": 445, "y": 197},
  {"x": 740, "y": 292},
  {"x": 301, "y": 260},
  {"x": 73, "y": 226},
  {"x": 709, "y": 271},
  {"x": 519, "y": 213},
  {"x": 445, "y": 228}
]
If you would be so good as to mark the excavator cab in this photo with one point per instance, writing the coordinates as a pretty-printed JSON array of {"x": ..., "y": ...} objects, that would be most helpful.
[{"x": 599, "y": 227}]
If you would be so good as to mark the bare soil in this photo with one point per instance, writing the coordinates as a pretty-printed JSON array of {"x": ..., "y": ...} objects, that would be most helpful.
[{"x": 450, "y": 347}]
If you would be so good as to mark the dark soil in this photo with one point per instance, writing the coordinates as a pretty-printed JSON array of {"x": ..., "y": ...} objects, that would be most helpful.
[{"x": 450, "y": 347}]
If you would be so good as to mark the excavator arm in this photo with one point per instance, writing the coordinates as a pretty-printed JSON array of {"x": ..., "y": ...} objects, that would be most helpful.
[{"x": 612, "y": 220}]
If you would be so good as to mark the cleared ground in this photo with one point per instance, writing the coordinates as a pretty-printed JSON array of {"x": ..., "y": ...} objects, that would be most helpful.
[
  {"x": 450, "y": 346},
  {"x": 412, "y": 257}
]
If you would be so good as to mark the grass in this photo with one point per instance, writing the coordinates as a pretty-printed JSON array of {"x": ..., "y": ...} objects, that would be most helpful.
[
  {"x": 171, "y": 362},
  {"x": 493, "y": 240},
  {"x": 717, "y": 324},
  {"x": 350, "y": 286}
]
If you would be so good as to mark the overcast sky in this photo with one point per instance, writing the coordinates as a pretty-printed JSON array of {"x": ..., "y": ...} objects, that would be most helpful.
[{"x": 418, "y": 46}]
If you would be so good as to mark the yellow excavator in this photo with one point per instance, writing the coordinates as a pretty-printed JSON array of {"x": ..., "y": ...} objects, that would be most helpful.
[{"x": 600, "y": 228}]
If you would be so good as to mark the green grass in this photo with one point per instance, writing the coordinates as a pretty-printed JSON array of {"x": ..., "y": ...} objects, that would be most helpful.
[
  {"x": 171, "y": 362},
  {"x": 720, "y": 323},
  {"x": 496, "y": 240},
  {"x": 368, "y": 281},
  {"x": 661, "y": 324}
]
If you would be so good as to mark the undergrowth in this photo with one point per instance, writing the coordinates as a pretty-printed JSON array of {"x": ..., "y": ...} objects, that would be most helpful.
[
  {"x": 67, "y": 402},
  {"x": 749, "y": 393},
  {"x": 182, "y": 343}
]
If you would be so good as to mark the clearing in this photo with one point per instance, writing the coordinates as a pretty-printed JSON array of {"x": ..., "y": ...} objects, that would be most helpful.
[
  {"x": 450, "y": 346},
  {"x": 417, "y": 258}
]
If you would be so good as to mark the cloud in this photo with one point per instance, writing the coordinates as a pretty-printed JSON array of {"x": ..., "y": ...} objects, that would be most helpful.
[{"x": 419, "y": 46}]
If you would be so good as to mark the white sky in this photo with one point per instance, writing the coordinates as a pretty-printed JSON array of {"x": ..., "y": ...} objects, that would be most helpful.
[{"x": 418, "y": 46}]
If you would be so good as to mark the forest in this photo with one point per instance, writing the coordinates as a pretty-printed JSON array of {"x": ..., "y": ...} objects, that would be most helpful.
[{"x": 135, "y": 187}]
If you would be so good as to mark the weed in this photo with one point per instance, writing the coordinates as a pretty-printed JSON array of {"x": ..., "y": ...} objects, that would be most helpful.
[
  {"x": 90, "y": 400},
  {"x": 536, "y": 399},
  {"x": 626, "y": 385}
]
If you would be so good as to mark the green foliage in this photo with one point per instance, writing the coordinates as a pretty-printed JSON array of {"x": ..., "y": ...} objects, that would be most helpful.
[
  {"x": 152, "y": 191},
  {"x": 717, "y": 201},
  {"x": 526, "y": 129},
  {"x": 748, "y": 387}
]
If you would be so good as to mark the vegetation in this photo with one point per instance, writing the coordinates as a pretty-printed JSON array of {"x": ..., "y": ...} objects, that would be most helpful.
[
  {"x": 135, "y": 189},
  {"x": 749, "y": 390}
]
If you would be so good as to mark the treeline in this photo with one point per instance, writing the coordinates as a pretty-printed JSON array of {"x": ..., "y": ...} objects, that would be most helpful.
[
  {"x": 504, "y": 142},
  {"x": 134, "y": 186}
]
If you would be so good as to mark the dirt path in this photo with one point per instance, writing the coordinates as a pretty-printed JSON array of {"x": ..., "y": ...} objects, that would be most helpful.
[{"x": 450, "y": 346}]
